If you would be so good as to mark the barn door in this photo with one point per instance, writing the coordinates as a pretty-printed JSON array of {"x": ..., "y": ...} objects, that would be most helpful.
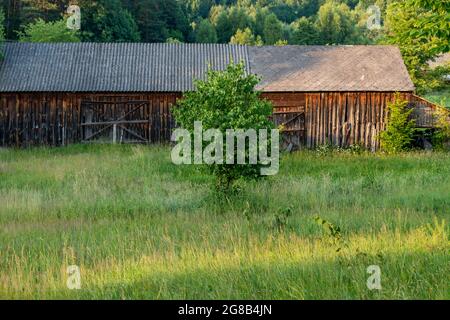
[
  {"x": 291, "y": 121},
  {"x": 115, "y": 121}
]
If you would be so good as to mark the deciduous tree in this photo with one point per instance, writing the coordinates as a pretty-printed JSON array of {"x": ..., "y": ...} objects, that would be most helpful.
[
  {"x": 226, "y": 100},
  {"x": 304, "y": 32},
  {"x": 421, "y": 28},
  {"x": 273, "y": 29},
  {"x": 41, "y": 31},
  {"x": 336, "y": 24},
  {"x": 205, "y": 32},
  {"x": 107, "y": 21},
  {"x": 246, "y": 37}
]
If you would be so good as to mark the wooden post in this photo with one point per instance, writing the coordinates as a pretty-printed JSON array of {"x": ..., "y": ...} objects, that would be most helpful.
[{"x": 114, "y": 134}]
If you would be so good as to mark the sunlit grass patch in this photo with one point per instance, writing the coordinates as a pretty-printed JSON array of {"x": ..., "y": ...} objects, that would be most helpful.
[{"x": 140, "y": 227}]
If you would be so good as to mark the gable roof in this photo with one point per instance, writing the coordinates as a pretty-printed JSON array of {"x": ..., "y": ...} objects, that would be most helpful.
[
  {"x": 156, "y": 67},
  {"x": 330, "y": 68}
]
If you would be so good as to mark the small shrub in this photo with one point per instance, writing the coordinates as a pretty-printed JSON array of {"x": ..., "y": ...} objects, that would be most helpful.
[
  {"x": 400, "y": 130},
  {"x": 332, "y": 232},
  {"x": 324, "y": 150},
  {"x": 281, "y": 218},
  {"x": 442, "y": 134},
  {"x": 355, "y": 149},
  {"x": 227, "y": 100}
]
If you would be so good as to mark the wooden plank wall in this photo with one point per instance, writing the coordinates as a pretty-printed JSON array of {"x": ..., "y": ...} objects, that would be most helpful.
[
  {"x": 336, "y": 118},
  {"x": 340, "y": 118},
  {"x": 54, "y": 119},
  {"x": 289, "y": 112},
  {"x": 424, "y": 111}
]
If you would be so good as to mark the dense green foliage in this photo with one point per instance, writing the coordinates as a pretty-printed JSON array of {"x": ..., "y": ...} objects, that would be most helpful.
[
  {"x": 41, "y": 31},
  {"x": 226, "y": 100},
  {"x": 140, "y": 227},
  {"x": 421, "y": 28},
  {"x": 441, "y": 97},
  {"x": 331, "y": 21},
  {"x": 2, "y": 28},
  {"x": 246, "y": 37},
  {"x": 442, "y": 135},
  {"x": 205, "y": 32},
  {"x": 2, "y": 31},
  {"x": 107, "y": 21},
  {"x": 399, "y": 132}
]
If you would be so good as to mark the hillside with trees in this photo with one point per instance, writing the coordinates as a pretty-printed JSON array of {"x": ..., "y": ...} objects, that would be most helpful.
[{"x": 269, "y": 21}]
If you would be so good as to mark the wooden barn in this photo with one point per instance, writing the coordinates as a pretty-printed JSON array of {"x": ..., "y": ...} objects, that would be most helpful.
[{"x": 57, "y": 94}]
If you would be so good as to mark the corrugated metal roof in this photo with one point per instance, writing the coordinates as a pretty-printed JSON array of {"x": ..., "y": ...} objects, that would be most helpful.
[
  {"x": 111, "y": 67},
  {"x": 330, "y": 68},
  {"x": 155, "y": 67}
]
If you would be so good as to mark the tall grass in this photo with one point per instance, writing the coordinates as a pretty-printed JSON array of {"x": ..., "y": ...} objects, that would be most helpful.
[{"x": 140, "y": 227}]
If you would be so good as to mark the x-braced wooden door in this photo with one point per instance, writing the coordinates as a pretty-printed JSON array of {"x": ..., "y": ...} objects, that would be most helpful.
[
  {"x": 118, "y": 121},
  {"x": 291, "y": 121}
]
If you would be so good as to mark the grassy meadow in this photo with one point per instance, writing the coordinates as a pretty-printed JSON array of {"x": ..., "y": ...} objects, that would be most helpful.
[
  {"x": 441, "y": 97},
  {"x": 140, "y": 227}
]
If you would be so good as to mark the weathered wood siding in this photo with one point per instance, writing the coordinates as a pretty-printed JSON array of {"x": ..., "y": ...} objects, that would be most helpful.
[
  {"x": 28, "y": 119},
  {"x": 289, "y": 113},
  {"x": 423, "y": 111},
  {"x": 313, "y": 119},
  {"x": 339, "y": 118}
]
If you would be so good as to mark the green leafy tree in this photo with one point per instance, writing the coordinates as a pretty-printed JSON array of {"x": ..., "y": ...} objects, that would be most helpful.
[
  {"x": 305, "y": 32},
  {"x": 400, "y": 129},
  {"x": 238, "y": 18},
  {"x": 281, "y": 43},
  {"x": 32, "y": 10},
  {"x": 41, "y": 31},
  {"x": 205, "y": 33},
  {"x": 226, "y": 100},
  {"x": 158, "y": 20},
  {"x": 273, "y": 30},
  {"x": 203, "y": 7},
  {"x": 107, "y": 21},
  {"x": 442, "y": 135},
  {"x": 2, "y": 31},
  {"x": 173, "y": 40},
  {"x": 259, "y": 19},
  {"x": 336, "y": 24},
  {"x": 246, "y": 37},
  {"x": 285, "y": 12},
  {"x": 2, "y": 28},
  {"x": 421, "y": 28},
  {"x": 23, "y": 12},
  {"x": 224, "y": 27}
]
